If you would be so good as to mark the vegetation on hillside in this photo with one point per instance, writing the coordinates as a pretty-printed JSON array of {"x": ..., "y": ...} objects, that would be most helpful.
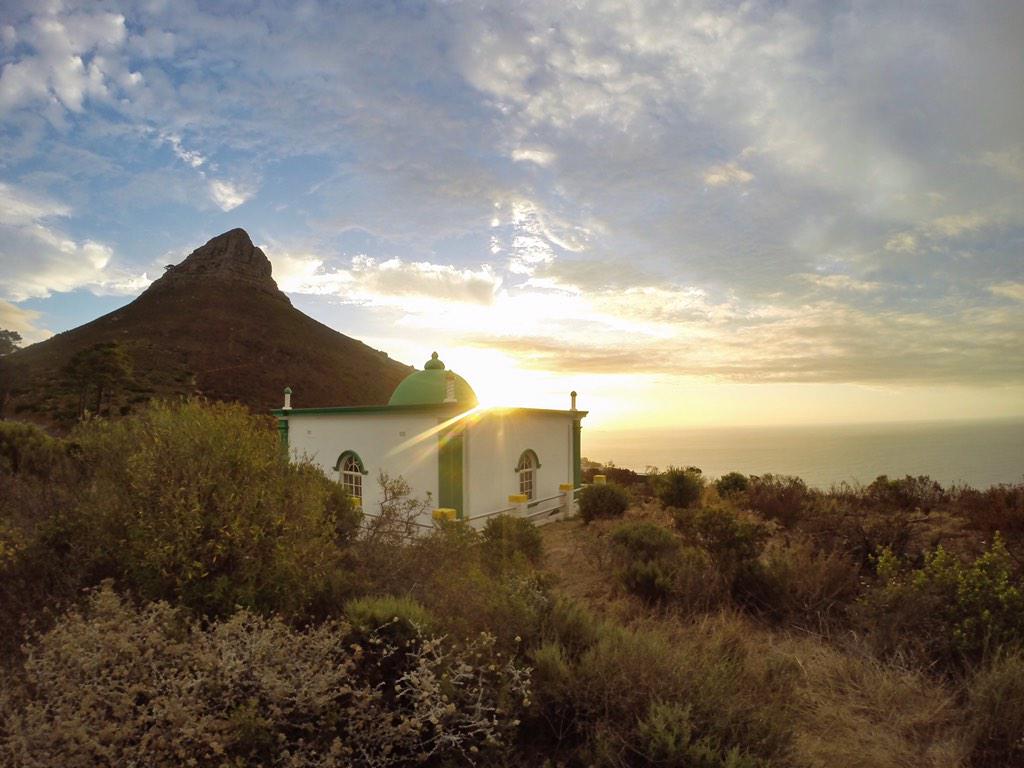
[{"x": 177, "y": 592}]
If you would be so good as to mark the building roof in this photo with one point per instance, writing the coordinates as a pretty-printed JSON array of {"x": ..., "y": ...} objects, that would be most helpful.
[{"x": 429, "y": 387}]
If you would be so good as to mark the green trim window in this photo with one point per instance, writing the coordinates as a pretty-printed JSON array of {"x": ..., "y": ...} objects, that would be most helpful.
[
  {"x": 527, "y": 468},
  {"x": 350, "y": 474}
]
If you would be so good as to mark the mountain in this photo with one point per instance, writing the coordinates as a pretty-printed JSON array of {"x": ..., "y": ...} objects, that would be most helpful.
[{"x": 214, "y": 325}]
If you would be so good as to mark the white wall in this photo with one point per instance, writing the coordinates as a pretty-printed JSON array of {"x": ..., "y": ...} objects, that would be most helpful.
[
  {"x": 493, "y": 446},
  {"x": 373, "y": 435}
]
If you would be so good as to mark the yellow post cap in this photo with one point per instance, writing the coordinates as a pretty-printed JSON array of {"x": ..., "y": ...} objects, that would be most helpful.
[
  {"x": 518, "y": 498},
  {"x": 600, "y": 479},
  {"x": 566, "y": 487},
  {"x": 445, "y": 513}
]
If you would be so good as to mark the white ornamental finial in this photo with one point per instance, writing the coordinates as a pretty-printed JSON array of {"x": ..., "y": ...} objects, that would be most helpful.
[{"x": 287, "y": 399}]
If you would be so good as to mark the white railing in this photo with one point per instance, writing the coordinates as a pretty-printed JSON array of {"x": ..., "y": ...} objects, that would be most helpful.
[{"x": 539, "y": 511}]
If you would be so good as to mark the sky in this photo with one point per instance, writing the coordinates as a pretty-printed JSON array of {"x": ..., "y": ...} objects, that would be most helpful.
[{"x": 694, "y": 214}]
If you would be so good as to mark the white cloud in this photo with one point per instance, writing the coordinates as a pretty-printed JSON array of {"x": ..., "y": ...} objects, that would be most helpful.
[
  {"x": 227, "y": 195},
  {"x": 40, "y": 259},
  {"x": 67, "y": 65},
  {"x": 15, "y": 318},
  {"x": 389, "y": 283},
  {"x": 728, "y": 173},
  {"x": 1009, "y": 290},
  {"x": 535, "y": 155},
  {"x": 841, "y": 283}
]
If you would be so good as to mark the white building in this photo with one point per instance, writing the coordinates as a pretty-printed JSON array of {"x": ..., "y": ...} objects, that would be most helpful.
[{"x": 433, "y": 433}]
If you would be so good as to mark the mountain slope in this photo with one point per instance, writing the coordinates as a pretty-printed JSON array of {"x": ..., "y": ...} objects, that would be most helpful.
[{"x": 215, "y": 325}]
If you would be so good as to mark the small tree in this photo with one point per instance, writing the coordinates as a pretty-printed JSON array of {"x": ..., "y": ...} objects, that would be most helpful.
[
  {"x": 100, "y": 369},
  {"x": 679, "y": 488},
  {"x": 9, "y": 342}
]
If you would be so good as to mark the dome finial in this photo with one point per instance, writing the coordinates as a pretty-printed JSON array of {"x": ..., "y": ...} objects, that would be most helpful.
[{"x": 433, "y": 364}]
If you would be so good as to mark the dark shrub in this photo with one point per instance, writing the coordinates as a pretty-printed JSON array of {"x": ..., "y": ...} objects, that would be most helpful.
[
  {"x": 798, "y": 585},
  {"x": 731, "y": 483},
  {"x": 679, "y": 488},
  {"x": 777, "y": 497},
  {"x": 596, "y": 501},
  {"x": 1000, "y": 508},
  {"x": 907, "y": 494},
  {"x": 505, "y": 537},
  {"x": 729, "y": 537},
  {"x": 644, "y": 541},
  {"x": 654, "y": 566},
  {"x": 28, "y": 450}
]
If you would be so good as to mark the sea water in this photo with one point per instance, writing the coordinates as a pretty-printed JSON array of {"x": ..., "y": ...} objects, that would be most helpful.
[{"x": 980, "y": 453}]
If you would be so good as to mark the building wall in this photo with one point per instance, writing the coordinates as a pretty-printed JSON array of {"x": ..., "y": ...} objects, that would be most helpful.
[
  {"x": 324, "y": 437},
  {"x": 492, "y": 449}
]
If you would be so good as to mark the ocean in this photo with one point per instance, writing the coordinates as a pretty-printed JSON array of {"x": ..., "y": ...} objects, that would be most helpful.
[{"x": 979, "y": 453}]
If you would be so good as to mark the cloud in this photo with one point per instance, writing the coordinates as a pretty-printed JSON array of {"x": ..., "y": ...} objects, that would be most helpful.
[
  {"x": 15, "y": 318},
  {"x": 68, "y": 63},
  {"x": 535, "y": 155},
  {"x": 729, "y": 173},
  {"x": 39, "y": 258},
  {"x": 841, "y": 283},
  {"x": 1009, "y": 290},
  {"x": 389, "y": 283},
  {"x": 227, "y": 195}
]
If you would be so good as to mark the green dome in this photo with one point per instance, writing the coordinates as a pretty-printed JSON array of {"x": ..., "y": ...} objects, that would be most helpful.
[{"x": 427, "y": 387}]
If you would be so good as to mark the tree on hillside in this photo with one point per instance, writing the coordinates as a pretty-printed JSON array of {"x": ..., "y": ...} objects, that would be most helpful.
[
  {"x": 9, "y": 342},
  {"x": 100, "y": 370}
]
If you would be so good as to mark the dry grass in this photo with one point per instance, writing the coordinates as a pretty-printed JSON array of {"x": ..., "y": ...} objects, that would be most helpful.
[{"x": 851, "y": 710}]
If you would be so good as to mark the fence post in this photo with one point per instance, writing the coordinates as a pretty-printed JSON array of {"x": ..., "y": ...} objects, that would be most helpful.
[
  {"x": 521, "y": 500},
  {"x": 566, "y": 489},
  {"x": 443, "y": 515}
]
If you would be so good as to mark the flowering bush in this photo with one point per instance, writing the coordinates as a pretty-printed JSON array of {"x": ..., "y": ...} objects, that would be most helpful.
[{"x": 117, "y": 685}]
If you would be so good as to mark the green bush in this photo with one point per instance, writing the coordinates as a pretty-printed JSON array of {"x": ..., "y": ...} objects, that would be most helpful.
[
  {"x": 731, "y": 483},
  {"x": 948, "y": 611},
  {"x": 679, "y": 488},
  {"x": 115, "y": 685},
  {"x": 398, "y": 618},
  {"x": 505, "y": 537},
  {"x": 653, "y": 565},
  {"x": 197, "y": 504},
  {"x": 25, "y": 449},
  {"x": 731, "y": 538},
  {"x": 644, "y": 541},
  {"x": 597, "y": 501},
  {"x": 906, "y": 494}
]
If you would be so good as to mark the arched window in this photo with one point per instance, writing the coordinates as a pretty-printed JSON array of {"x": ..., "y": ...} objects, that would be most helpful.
[
  {"x": 350, "y": 475},
  {"x": 527, "y": 471}
]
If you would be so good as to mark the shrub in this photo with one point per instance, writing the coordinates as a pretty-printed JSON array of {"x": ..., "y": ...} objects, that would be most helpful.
[
  {"x": 114, "y": 685},
  {"x": 505, "y": 537},
  {"x": 597, "y": 501},
  {"x": 1000, "y": 508},
  {"x": 197, "y": 504},
  {"x": 799, "y": 585},
  {"x": 679, "y": 488},
  {"x": 612, "y": 702},
  {"x": 996, "y": 695},
  {"x": 26, "y": 449},
  {"x": 906, "y": 494},
  {"x": 948, "y": 611},
  {"x": 398, "y": 619},
  {"x": 777, "y": 497},
  {"x": 731, "y": 483},
  {"x": 729, "y": 537},
  {"x": 644, "y": 541},
  {"x": 654, "y": 566}
]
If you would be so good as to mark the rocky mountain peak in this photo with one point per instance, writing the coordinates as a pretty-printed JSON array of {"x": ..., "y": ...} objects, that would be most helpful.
[{"x": 230, "y": 259}]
